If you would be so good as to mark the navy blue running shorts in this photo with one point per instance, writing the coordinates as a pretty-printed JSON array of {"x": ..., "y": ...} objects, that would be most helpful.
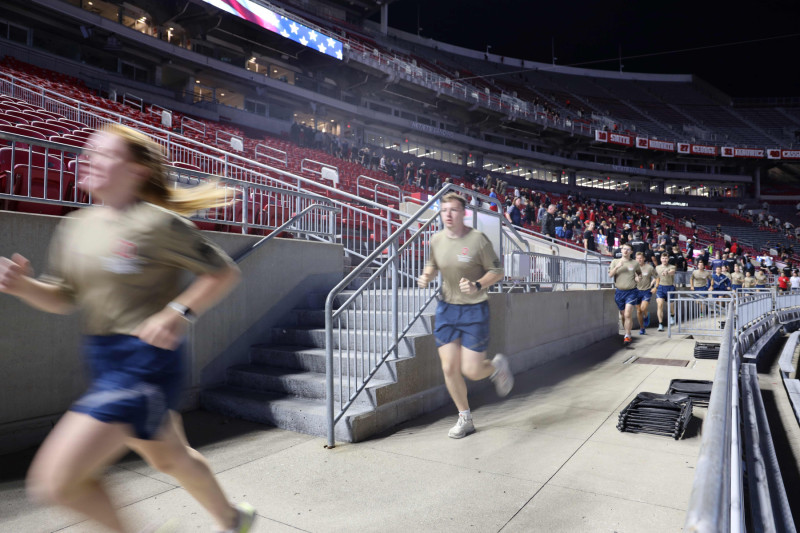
[
  {"x": 645, "y": 295},
  {"x": 663, "y": 290},
  {"x": 625, "y": 297},
  {"x": 470, "y": 323},
  {"x": 132, "y": 382}
]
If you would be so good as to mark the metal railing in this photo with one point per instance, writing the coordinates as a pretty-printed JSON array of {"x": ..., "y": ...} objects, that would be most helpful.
[
  {"x": 699, "y": 312},
  {"x": 717, "y": 501},
  {"x": 367, "y": 326},
  {"x": 251, "y": 206},
  {"x": 379, "y": 190},
  {"x": 269, "y": 152},
  {"x": 551, "y": 271}
]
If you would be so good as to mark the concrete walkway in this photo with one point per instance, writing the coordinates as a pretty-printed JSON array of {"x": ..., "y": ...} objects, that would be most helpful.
[{"x": 547, "y": 458}]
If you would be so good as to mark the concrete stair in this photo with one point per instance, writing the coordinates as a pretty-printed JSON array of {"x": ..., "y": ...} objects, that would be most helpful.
[{"x": 284, "y": 382}]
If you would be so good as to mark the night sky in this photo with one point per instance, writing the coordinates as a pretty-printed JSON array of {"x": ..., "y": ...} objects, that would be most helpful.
[{"x": 586, "y": 32}]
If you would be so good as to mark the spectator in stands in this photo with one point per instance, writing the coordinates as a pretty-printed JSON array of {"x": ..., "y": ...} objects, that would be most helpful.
[
  {"x": 530, "y": 213},
  {"x": 646, "y": 287},
  {"x": 435, "y": 180},
  {"x": 514, "y": 212},
  {"x": 625, "y": 271},
  {"x": 783, "y": 282},
  {"x": 382, "y": 164},
  {"x": 559, "y": 223},
  {"x": 794, "y": 281},
  {"x": 569, "y": 228},
  {"x": 549, "y": 222},
  {"x": 469, "y": 267},
  {"x": 718, "y": 261},
  {"x": 120, "y": 263},
  {"x": 748, "y": 266},
  {"x": 588, "y": 238},
  {"x": 493, "y": 194}
]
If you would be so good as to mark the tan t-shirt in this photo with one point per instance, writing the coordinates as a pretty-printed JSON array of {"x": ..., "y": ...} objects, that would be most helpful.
[
  {"x": 761, "y": 279},
  {"x": 749, "y": 283},
  {"x": 737, "y": 278},
  {"x": 647, "y": 277},
  {"x": 701, "y": 278},
  {"x": 470, "y": 256},
  {"x": 666, "y": 274},
  {"x": 120, "y": 268},
  {"x": 625, "y": 278}
]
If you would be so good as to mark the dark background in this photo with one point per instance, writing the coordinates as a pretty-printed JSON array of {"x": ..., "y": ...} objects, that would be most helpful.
[{"x": 588, "y": 32}]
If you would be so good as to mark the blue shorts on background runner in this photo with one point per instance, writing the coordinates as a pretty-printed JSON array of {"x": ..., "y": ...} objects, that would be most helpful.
[
  {"x": 645, "y": 295},
  {"x": 624, "y": 297},
  {"x": 132, "y": 382},
  {"x": 470, "y": 323},
  {"x": 663, "y": 290}
]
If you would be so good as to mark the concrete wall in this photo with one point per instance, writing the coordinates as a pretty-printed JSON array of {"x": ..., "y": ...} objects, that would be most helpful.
[
  {"x": 41, "y": 371},
  {"x": 530, "y": 328}
]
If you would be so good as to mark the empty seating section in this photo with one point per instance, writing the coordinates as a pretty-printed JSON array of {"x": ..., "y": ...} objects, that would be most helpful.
[{"x": 29, "y": 120}]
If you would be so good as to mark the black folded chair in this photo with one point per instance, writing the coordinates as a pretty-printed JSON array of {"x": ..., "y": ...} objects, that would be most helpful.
[
  {"x": 699, "y": 391},
  {"x": 657, "y": 414},
  {"x": 706, "y": 350}
]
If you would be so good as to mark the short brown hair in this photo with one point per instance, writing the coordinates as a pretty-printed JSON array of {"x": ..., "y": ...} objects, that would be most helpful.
[
  {"x": 665, "y": 254},
  {"x": 454, "y": 197},
  {"x": 639, "y": 254}
]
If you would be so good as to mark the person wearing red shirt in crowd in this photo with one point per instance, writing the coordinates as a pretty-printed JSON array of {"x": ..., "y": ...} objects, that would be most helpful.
[{"x": 783, "y": 282}]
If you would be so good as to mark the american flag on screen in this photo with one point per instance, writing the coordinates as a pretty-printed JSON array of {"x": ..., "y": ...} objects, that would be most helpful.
[{"x": 286, "y": 27}]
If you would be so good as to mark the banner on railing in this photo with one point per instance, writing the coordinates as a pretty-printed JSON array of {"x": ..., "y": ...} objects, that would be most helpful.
[
  {"x": 655, "y": 144},
  {"x": 697, "y": 149},
  {"x": 752, "y": 153}
]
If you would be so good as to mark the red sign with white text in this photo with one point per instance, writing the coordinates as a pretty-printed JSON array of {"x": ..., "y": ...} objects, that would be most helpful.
[
  {"x": 753, "y": 153},
  {"x": 664, "y": 146},
  {"x": 790, "y": 154},
  {"x": 703, "y": 149},
  {"x": 619, "y": 138}
]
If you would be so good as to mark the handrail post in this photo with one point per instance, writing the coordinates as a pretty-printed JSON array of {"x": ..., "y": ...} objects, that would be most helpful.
[
  {"x": 395, "y": 289},
  {"x": 329, "y": 411}
]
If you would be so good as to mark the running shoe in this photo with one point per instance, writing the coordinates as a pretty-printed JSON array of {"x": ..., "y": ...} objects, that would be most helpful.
[
  {"x": 671, "y": 320},
  {"x": 463, "y": 427},
  {"x": 503, "y": 378},
  {"x": 661, "y": 327},
  {"x": 626, "y": 341},
  {"x": 246, "y": 515},
  {"x": 646, "y": 322},
  {"x": 641, "y": 331}
]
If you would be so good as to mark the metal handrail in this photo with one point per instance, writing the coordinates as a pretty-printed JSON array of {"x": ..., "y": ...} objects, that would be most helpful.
[
  {"x": 382, "y": 184},
  {"x": 285, "y": 159},
  {"x": 397, "y": 261},
  {"x": 710, "y": 501},
  {"x": 388, "y": 346},
  {"x": 261, "y": 242}
]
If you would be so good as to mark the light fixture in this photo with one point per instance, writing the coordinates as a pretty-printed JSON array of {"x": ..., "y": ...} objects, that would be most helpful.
[
  {"x": 197, "y": 81},
  {"x": 172, "y": 29},
  {"x": 222, "y": 94}
]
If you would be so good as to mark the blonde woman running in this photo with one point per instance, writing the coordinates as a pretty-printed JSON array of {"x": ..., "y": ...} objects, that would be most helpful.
[{"x": 120, "y": 264}]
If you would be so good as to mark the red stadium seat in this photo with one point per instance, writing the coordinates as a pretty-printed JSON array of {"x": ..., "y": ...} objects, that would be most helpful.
[{"x": 38, "y": 182}]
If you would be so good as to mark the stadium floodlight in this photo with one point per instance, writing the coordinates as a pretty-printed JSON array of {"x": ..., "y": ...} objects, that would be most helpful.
[{"x": 283, "y": 26}]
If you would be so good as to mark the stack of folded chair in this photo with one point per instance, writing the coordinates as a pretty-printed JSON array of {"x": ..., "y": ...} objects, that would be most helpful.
[{"x": 657, "y": 414}]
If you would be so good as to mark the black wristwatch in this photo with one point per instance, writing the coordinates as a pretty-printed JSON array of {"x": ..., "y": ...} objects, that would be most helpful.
[{"x": 478, "y": 285}]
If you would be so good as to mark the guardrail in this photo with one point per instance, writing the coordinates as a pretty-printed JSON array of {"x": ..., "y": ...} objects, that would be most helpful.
[
  {"x": 269, "y": 152},
  {"x": 699, "y": 312},
  {"x": 370, "y": 324},
  {"x": 379, "y": 189},
  {"x": 717, "y": 500},
  {"x": 550, "y": 271}
]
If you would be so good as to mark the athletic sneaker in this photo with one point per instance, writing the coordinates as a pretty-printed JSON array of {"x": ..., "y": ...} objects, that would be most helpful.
[
  {"x": 672, "y": 321},
  {"x": 246, "y": 515},
  {"x": 626, "y": 341},
  {"x": 641, "y": 331},
  {"x": 646, "y": 322},
  {"x": 463, "y": 427},
  {"x": 661, "y": 327},
  {"x": 503, "y": 378}
]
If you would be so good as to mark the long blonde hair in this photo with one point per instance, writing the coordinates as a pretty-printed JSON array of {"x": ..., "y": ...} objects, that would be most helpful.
[{"x": 156, "y": 190}]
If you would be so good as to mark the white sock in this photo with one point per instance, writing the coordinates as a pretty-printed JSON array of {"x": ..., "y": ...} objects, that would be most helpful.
[{"x": 466, "y": 414}]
